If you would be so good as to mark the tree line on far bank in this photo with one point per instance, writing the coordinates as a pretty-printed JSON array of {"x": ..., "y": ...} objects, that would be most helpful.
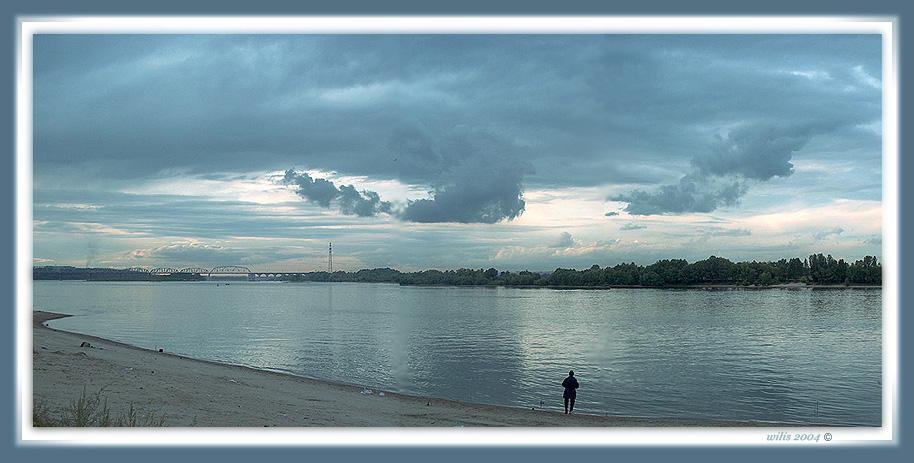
[{"x": 817, "y": 269}]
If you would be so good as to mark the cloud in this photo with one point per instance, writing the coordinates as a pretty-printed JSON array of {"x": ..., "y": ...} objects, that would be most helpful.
[
  {"x": 728, "y": 232},
  {"x": 125, "y": 216},
  {"x": 581, "y": 254},
  {"x": 598, "y": 113},
  {"x": 865, "y": 78},
  {"x": 632, "y": 226},
  {"x": 611, "y": 214},
  {"x": 754, "y": 152},
  {"x": 585, "y": 105},
  {"x": 77, "y": 206},
  {"x": 322, "y": 192},
  {"x": 811, "y": 75},
  {"x": 414, "y": 153},
  {"x": 363, "y": 204},
  {"x": 720, "y": 176},
  {"x": 825, "y": 234},
  {"x": 478, "y": 179},
  {"x": 181, "y": 252},
  {"x": 483, "y": 182},
  {"x": 693, "y": 193},
  {"x": 198, "y": 253},
  {"x": 565, "y": 240},
  {"x": 476, "y": 194},
  {"x": 875, "y": 240},
  {"x": 319, "y": 191},
  {"x": 85, "y": 228}
]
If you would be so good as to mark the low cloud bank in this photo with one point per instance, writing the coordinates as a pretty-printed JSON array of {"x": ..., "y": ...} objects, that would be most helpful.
[
  {"x": 722, "y": 175},
  {"x": 477, "y": 192},
  {"x": 483, "y": 191},
  {"x": 347, "y": 198}
]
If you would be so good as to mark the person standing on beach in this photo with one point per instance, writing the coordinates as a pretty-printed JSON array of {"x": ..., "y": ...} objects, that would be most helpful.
[{"x": 571, "y": 391}]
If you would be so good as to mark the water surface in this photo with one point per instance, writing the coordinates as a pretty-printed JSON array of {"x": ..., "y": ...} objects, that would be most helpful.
[{"x": 798, "y": 355}]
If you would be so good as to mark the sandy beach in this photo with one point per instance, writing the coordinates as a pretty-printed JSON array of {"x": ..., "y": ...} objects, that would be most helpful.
[{"x": 193, "y": 392}]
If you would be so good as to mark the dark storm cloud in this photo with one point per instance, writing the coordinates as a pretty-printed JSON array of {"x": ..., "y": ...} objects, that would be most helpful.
[
  {"x": 322, "y": 192},
  {"x": 754, "y": 152},
  {"x": 382, "y": 106},
  {"x": 693, "y": 193},
  {"x": 722, "y": 174},
  {"x": 363, "y": 204},
  {"x": 676, "y": 123},
  {"x": 414, "y": 153},
  {"x": 478, "y": 176},
  {"x": 483, "y": 182},
  {"x": 479, "y": 191}
]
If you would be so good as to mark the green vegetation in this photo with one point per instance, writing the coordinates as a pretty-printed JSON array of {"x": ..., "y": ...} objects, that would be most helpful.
[
  {"x": 817, "y": 269},
  {"x": 65, "y": 272},
  {"x": 92, "y": 411}
]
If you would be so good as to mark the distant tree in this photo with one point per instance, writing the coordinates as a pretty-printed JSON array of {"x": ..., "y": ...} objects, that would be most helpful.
[
  {"x": 815, "y": 269},
  {"x": 650, "y": 278},
  {"x": 592, "y": 276},
  {"x": 795, "y": 269},
  {"x": 867, "y": 271},
  {"x": 671, "y": 272}
]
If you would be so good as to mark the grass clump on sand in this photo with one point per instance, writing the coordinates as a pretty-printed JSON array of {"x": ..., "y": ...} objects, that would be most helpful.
[{"x": 92, "y": 411}]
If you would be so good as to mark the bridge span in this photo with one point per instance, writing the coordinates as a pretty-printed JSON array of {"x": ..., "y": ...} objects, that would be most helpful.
[{"x": 221, "y": 272}]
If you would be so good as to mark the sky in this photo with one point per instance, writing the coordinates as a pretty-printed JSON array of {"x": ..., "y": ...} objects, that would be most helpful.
[{"x": 448, "y": 151}]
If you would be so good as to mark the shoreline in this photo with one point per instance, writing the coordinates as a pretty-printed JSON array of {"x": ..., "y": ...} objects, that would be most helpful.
[
  {"x": 678, "y": 287},
  {"x": 206, "y": 393},
  {"x": 707, "y": 287}
]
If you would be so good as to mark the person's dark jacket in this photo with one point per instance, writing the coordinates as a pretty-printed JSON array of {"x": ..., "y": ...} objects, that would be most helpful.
[{"x": 570, "y": 384}]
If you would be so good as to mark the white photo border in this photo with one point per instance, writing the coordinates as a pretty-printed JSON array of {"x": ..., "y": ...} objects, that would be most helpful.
[{"x": 630, "y": 436}]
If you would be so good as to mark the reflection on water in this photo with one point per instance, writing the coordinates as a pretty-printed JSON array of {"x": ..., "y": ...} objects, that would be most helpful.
[{"x": 774, "y": 355}]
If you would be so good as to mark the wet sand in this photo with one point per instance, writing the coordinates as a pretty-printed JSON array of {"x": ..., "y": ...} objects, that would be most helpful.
[{"x": 192, "y": 392}]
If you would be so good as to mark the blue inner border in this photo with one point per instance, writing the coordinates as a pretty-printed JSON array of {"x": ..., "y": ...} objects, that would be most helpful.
[{"x": 10, "y": 451}]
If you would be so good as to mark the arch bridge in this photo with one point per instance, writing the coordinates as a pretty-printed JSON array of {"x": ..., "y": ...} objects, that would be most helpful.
[
  {"x": 163, "y": 271},
  {"x": 230, "y": 270},
  {"x": 217, "y": 272},
  {"x": 196, "y": 270}
]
